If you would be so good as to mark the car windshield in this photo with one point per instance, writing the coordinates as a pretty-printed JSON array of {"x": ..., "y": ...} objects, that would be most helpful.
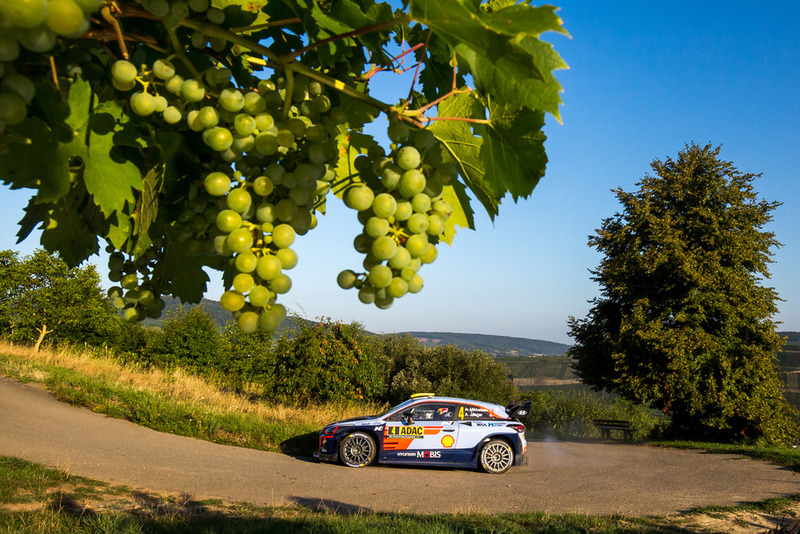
[{"x": 398, "y": 407}]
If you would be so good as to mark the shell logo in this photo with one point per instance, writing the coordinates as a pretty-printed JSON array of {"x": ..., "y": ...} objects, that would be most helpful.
[{"x": 448, "y": 441}]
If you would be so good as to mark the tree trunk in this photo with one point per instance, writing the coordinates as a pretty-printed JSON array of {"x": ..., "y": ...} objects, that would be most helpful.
[{"x": 43, "y": 331}]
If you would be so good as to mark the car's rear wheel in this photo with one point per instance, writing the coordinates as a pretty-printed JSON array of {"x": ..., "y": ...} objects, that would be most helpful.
[
  {"x": 357, "y": 449},
  {"x": 496, "y": 456}
]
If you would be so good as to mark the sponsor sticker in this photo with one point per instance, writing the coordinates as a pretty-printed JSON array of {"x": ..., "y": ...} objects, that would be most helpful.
[
  {"x": 447, "y": 441},
  {"x": 405, "y": 431}
]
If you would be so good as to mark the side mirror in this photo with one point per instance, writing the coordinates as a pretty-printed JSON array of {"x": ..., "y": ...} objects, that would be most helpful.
[{"x": 408, "y": 416}]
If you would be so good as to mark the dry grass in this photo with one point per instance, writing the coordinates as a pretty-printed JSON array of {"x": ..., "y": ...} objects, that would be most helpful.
[{"x": 24, "y": 363}]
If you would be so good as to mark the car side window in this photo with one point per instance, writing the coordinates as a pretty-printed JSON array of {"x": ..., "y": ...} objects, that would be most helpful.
[
  {"x": 468, "y": 412},
  {"x": 434, "y": 411}
]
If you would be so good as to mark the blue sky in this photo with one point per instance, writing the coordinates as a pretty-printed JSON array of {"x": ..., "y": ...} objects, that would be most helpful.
[{"x": 645, "y": 79}]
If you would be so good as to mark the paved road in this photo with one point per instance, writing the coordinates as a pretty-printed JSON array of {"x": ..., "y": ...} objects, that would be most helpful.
[{"x": 594, "y": 478}]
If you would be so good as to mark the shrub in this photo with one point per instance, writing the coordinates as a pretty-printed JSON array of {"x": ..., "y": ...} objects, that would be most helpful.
[{"x": 191, "y": 340}]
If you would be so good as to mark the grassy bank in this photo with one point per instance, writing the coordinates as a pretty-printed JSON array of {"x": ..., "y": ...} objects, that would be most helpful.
[
  {"x": 173, "y": 401},
  {"x": 37, "y": 500}
]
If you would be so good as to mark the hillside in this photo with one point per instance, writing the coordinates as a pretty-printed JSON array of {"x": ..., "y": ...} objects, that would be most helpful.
[{"x": 494, "y": 345}]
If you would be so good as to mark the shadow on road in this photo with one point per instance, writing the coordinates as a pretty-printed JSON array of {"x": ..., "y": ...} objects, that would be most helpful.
[{"x": 326, "y": 505}]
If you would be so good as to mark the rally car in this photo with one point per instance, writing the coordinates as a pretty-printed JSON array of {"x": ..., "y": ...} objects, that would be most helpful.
[{"x": 431, "y": 430}]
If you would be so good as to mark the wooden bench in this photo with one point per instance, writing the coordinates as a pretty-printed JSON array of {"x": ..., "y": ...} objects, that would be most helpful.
[{"x": 607, "y": 425}]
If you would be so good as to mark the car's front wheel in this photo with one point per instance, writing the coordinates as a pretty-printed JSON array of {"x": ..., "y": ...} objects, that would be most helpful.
[
  {"x": 357, "y": 449},
  {"x": 496, "y": 456}
]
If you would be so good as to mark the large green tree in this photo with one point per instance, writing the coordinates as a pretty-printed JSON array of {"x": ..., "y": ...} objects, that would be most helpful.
[
  {"x": 194, "y": 135},
  {"x": 40, "y": 295},
  {"x": 683, "y": 321}
]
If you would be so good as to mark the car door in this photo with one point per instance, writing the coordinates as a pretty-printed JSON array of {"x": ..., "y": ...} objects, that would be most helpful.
[
  {"x": 426, "y": 437},
  {"x": 474, "y": 424}
]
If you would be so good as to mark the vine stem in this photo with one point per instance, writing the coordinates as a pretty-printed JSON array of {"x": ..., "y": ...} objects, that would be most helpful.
[
  {"x": 111, "y": 19},
  {"x": 178, "y": 47}
]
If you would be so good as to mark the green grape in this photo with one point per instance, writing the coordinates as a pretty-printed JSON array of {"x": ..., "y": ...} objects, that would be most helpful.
[
  {"x": 382, "y": 300},
  {"x": 24, "y": 13},
  {"x": 129, "y": 281},
  {"x": 411, "y": 183},
  {"x": 265, "y": 122},
  {"x": 123, "y": 71},
  {"x": 269, "y": 321},
  {"x": 397, "y": 288},
  {"x": 119, "y": 303},
  {"x": 228, "y": 220},
  {"x": 215, "y": 15},
  {"x": 218, "y": 76},
  {"x": 366, "y": 294},
  {"x": 415, "y": 284},
  {"x": 266, "y": 143},
  {"x": 39, "y": 39},
  {"x": 379, "y": 276},
  {"x": 208, "y": 117},
  {"x": 397, "y": 131},
  {"x": 231, "y": 301},
  {"x": 114, "y": 292},
  {"x": 248, "y": 322},
  {"x": 268, "y": 267},
  {"x": 362, "y": 243},
  {"x": 417, "y": 244},
  {"x": 443, "y": 208},
  {"x": 172, "y": 115},
  {"x": 346, "y": 279},
  {"x": 254, "y": 103},
  {"x": 89, "y": 6},
  {"x": 408, "y": 158},
  {"x": 384, "y": 247},
  {"x": 240, "y": 240},
  {"x": 246, "y": 262},
  {"x": 265, "y": 212},
  {"x": 179, "y": 10},
  {"x": 239, "y": 200},
  {"x": 299, "y": 196},
  {"x": 433, "y": 188},
  {"x": 281, "y": 284},
  {"x": 377, "y": 227},
  {"x": 285, "y": 138},
  {"x": 130, "y": 315},
  {"x": 243, "y": 282},
  {"x": 321, "y": 104},
  {"x": 404, "y": 210},
  {"x": 263, "y": 186},
  {"x": 424, "y": 139},
  {"x": 160, "y": 103},
  {"x": 421, "y": 203},
  {"x": 430, "y": 254},
  {"x": 9, "y": 48},
  {"x": 192, "y": 91},
  {"x": 231, "y": 99},
  {"x": 12, "y": 108},
  {"x": 436, "y": 224},
  {"x": 159, "y": 8},
  {"x": 285, "y": 209},
  {"x": 390, "y": 176},
  {"x": 218, "y": 138},
  {"x": 65, "y": 17},
  {"x": 287, "y": 257},
  {"x": 384, "y": 205},
  {"x": 174, "y": 84},
  {"x": 243, "y": 144},
  {"x": 143, "y": 104},
  {"x": 199, "y": 6},
  {"x": 217, "y": 184},
  {"x": 259, "y": 296},
  {"x": 22, "y": 85},
  {"x": 400, "y": 259},
  {"x": 359, "y": 197},
  {"x": 417, "y": 223},
  {"x": 163, "y": 69},
  {"x": 283, "y": 236},
  {"x": 147, "y": 297},
  {"x": 446, "y": 174},
  {"x": 244, "y": 124}
]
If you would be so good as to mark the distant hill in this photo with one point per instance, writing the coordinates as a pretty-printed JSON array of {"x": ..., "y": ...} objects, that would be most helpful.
[{"x": 494, "y": 345}]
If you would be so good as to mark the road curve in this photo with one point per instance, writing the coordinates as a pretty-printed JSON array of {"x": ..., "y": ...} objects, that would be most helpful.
[{"x": 593, "y": 478}]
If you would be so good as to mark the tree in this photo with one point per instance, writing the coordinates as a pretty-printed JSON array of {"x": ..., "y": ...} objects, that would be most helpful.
[
  {"x": 41, "y": 295},
  {"x": 210, "y": 134},
  {"x": 683, "y": 322},
  {"x": 191, "y": 340}
]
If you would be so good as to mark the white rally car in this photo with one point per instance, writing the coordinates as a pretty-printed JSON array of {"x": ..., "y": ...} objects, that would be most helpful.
[{"x": 431, "y": 430}]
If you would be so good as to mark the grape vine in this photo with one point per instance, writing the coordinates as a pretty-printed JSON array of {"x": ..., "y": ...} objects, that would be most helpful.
[{"x": 211, "y": 134}]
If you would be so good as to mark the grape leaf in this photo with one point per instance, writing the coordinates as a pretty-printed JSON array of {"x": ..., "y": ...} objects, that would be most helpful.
[
  {"x": 462, "y": 215},
  {"x": 184, "y": 273},
  {"x": 249, "y": 12},
  {"x": 66, "y": 230},
  {"x": 502, "y": 53},
  {"x": 513, "y": 149}
]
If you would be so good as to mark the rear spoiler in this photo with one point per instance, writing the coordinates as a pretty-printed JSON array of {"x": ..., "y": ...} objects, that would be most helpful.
[{"x": 519, "y": 409}]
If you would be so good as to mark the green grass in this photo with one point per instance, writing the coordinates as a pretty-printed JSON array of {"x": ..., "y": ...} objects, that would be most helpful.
[{"x": 68, "y": 504}]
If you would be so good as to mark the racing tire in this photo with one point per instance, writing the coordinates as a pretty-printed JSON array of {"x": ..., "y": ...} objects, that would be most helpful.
[
  {"x": 496, "y": 456},
  {"x": 357, "y": 449}
]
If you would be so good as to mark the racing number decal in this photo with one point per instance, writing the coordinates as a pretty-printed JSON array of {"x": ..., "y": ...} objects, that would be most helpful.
[
  {"x": 461, "y": 413},
  {"x": 405, "y": 431}
]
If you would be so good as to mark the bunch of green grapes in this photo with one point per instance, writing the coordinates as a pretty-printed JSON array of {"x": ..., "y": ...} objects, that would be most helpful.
[
  {"x": 399, "y": 202},
  {"x": 283, "y": 166},
  {"x": 34, "y": 25},
  {"x": 136, "y": 296}
]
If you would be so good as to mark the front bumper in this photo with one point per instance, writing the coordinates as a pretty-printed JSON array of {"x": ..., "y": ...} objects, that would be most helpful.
[{"x": 326, "y": 451}]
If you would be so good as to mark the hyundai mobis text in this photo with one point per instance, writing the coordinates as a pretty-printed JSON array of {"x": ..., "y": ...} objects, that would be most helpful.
[{"x": 431, "y": 430}]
